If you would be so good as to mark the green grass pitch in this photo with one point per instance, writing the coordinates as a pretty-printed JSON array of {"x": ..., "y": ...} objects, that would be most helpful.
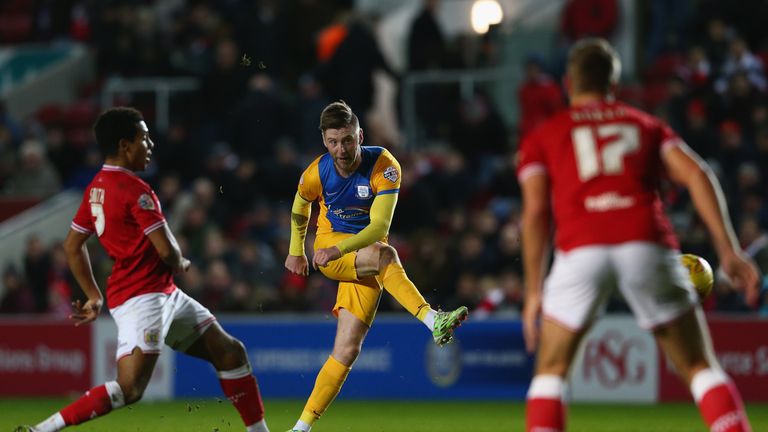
[{"x": 373, "y": 416}]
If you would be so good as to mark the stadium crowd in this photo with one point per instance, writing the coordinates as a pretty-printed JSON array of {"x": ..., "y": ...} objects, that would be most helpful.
[{"x": 227, "y": 167}]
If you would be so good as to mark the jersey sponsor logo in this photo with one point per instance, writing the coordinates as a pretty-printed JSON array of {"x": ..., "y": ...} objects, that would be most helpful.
[
  {"x": 152, "y": 336},
  {"x": 363, "y": 192},
  {"x": 146, "y": 202},
  {"x": 349, "y": 212},
  {"x": 608, "y": 201},
  {"x": 391, "y": 174}
]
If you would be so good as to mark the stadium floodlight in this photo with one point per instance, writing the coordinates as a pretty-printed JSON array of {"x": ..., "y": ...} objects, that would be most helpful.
[{"x": 484, "y": 14}]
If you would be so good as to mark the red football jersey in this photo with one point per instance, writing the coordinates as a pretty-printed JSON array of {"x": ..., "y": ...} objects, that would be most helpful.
[
  {"x": 603, "y": 162},
  {"x": 122, "y": 209}
]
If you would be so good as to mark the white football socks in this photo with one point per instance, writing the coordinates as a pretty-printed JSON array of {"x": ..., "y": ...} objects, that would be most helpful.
[
  {"x": 300, "y": 425},
  {"x": 259, "y": 426},
  {"x": 53, "y": 423},
  {"x": 429, "y": 319}
]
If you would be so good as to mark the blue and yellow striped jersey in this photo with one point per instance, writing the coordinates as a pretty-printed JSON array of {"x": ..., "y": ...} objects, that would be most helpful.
[{"x": 345, "y": 203}]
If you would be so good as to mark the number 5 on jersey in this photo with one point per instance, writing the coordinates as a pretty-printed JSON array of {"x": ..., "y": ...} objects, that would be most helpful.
[
  {"x": 96, "y": 199},
  {"x": 621, "y": 139}
]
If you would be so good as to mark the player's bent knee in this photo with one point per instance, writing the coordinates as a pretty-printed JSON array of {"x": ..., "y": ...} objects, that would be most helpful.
[
  {"x": 231, "y": 355},
  {"x": 346, "y": 355},
  {"x": 387, "y": 255}
]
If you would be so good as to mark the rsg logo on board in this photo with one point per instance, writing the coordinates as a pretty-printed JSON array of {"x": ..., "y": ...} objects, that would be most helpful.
[
  {"x": 617, "y": 362},
  {"x": 613, "y": 360}
]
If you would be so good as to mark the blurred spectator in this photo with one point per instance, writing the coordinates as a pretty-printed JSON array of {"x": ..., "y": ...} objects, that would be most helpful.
[
  {"x": 35, "y": 177},
  {"x": 281, "y": 174},
  {"x": 669, "y": 27},
  {"x": 16, "y": 297},
  {"x": 11, "y": 132},
  {"x": 584, "y": 18},
  {"x": 479, "y": 134},
  {"x": 259, "y": 119},
  {"x": 218, "y": 282},
  {"x": 416, "y": 202},
  {"x": 427, "y": 50},
  {"x": 697, "y": 71},
  {"x": 469, "y": 291},
  {"x": 504, "y": 299},
  {"x": 348, "y": 73},
  {"x": 740, "y": 60},
  {"x": 224, "y": 86},
  {"x": 539, "y": 96},
  {"x": 731, "y": 153},
  {"x": 261, "y": 28},
  {"x": 717, "y": 37},
  {"x": 307, "y": 18},
  {"x": 60, "y": 283},
  {"x": 37, "y": 267},
  {"x": 698, "y": 131},
  {"x": 426, "y": 43}
]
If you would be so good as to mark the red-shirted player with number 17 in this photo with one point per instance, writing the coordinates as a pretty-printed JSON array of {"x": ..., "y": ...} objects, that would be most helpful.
[
  {"x": 597, "y": 167},
  {"x": 149, "y": 310}
]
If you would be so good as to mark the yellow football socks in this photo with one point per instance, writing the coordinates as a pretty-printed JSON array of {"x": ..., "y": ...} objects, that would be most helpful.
[
  {"x": 327, "y": 385},
  {"x": 396, "y": 282}
]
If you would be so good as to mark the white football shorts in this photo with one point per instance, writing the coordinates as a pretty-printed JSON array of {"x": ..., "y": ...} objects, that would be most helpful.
[
  {"x": 149, "y": 320},
  {"x": 651, "y": 278}
]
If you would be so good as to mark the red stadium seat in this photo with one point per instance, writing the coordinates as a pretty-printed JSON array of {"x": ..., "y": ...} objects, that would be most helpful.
[
  {"x": 50, "y": 115},
  {"x": 80, "y": 115},
  {"x": 663, "y": 67},
  {"x": 15, "y": 28}
]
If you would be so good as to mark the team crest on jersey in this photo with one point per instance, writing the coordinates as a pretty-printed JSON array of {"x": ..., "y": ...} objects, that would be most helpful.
[
  {"x": 391, "y": 174},
  {"x": 152, "y": 336},
  {"x": 146, "y": 202},
  {"x": 363, "y": 192}
]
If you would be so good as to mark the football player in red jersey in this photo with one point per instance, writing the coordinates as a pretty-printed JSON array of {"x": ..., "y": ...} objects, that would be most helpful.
[
  {"x": 596, "y": 168},
  {"x": 149, "y": 310}
]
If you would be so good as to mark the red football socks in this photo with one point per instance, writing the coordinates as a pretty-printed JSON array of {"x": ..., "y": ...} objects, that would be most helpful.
[
  {"x": 719, "y": 402},
  {"x": 244, "y": 394},
  {"x": 94, "y": 403},
  {"x": 545, "y": 410}
]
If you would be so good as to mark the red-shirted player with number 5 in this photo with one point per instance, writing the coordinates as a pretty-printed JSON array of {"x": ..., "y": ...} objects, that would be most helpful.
[
  {"x": 149, "y": 310},
  {"x": 596, "y": 167}
]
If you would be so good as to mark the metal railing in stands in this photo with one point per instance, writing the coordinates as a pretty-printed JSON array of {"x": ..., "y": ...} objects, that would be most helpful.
[{"x": 161, "y": 87}]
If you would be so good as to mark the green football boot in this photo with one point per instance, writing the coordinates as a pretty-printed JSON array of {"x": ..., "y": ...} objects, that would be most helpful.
[{"x": 446, "y": 322}]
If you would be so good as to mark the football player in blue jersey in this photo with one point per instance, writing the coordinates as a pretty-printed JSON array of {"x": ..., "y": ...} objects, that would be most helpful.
[{"x": 356, "y": 188}]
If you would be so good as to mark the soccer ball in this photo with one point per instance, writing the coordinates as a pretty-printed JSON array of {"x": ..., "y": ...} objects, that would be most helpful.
[{"x": 700, "y": 273}]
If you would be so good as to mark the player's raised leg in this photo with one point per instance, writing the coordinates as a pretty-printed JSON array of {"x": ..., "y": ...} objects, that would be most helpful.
[
  {"x": 350, "y": 332},
  {"x": 229, "y": 358},
  {"x": 688, "y": 345},
  {"x": 382, "y": 260},
  {"x": 133, "y": 374}
]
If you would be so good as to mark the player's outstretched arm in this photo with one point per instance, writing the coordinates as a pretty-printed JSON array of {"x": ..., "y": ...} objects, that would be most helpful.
[
  {"x": 80, "y": 264},
  {"x": 168, "y": 249},
  {"x": 686, "y": 167},
  {"x": 296, "y": 261},
  {"x": 535, "y": 237}
]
